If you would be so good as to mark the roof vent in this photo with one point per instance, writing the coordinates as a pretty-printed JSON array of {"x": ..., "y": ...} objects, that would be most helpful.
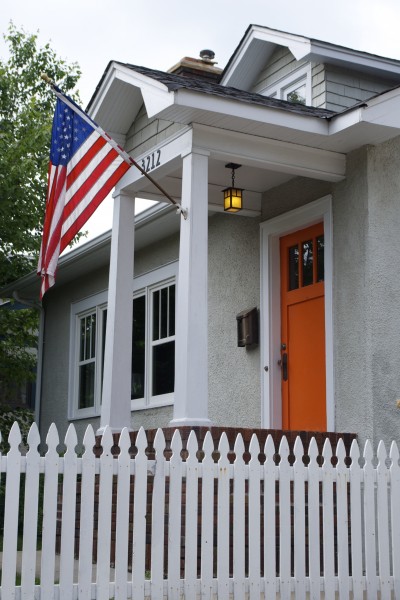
[{"x": 207, "y": 55}]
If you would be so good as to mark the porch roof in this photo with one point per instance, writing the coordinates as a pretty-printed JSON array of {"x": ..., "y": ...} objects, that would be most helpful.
[{"x": 175, "y": 82}]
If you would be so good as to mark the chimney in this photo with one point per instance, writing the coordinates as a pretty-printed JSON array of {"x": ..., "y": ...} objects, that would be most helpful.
[{"x": 199, "y": 68}]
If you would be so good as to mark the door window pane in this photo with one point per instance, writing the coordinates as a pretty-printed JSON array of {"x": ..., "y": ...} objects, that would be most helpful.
[
  {"x": 307, "y": 256},
  {"x": 293, "y": 268},
  {"x": 320, "y": 258}
]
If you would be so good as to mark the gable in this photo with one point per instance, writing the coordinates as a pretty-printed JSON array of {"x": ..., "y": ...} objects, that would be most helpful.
[{"x": 288, "y": 67}]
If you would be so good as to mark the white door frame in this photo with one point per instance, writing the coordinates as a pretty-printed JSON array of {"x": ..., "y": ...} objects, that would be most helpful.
[{"x": 270, "y": 302}]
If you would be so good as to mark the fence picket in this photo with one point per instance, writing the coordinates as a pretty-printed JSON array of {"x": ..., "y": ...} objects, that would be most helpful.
[
  {"x": 122, "y": 516},
  {"x": 31, "y": 502},
  {"x": 50, "y": 492},
  {"x": 314, "y": 543},
  {"x": 207, "y": 519},
  {"x": 11, "y": 505},
  {"x": 299, "y": 540},
  {"x": 356, "y": 523},
  {"x": 382, "y": 473},
  {"x": 139, "y": 517},
  {"x": 68, "y": 515},
  {"x": 342, "y": 521},
  {"x": 369, "y": 521},
  {"x": 223, "y": 520},
  {"x": 285, "y": 541},
  {"x": 254, "y": 519},
  {"x": 395, "y": 515},
  {"x": 157, "y": 519},
  {"x": 174, "y": 522},
  {"x": 327, "y": 521},
  {"x": 233, "y": 499},
  {"x": 104, "y": 516},
  {"x": 239, "y": 520},
  {"x": 191, "y": 517},
  {"x": 86, "y": 516},
  {"x": 269, "y": 519}
]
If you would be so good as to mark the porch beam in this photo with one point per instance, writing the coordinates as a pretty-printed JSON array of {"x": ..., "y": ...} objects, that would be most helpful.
[
  {"x": 274, "y": 155},
  {"x": 191, "y": 337},
  {"x": 116, "y": 398}
]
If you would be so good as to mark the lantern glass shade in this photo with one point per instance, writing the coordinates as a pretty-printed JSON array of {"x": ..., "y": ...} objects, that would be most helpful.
[{"x": 232, "y": 199}]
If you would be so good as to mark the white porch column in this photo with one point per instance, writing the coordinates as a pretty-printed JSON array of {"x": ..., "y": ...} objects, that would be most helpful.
[
  {"x": 191, "y": 336},
  {"x": 116, "y": 398}
]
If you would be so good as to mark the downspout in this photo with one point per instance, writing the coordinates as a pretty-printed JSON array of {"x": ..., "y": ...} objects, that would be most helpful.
[{"x": 39, "y": 367}]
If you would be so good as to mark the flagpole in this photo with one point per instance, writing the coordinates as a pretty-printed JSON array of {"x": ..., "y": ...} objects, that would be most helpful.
[{"x": 122, "y": 152}]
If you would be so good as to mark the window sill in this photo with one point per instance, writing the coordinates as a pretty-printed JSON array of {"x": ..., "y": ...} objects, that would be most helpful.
[{"x": 167, "y": 400}]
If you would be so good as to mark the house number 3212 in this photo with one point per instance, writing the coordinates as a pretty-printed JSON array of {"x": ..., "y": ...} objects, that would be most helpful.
[{"x": 151, "y": 161}]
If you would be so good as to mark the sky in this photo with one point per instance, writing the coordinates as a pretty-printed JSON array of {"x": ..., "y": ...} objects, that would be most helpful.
[{"x": 158, "y": 33}]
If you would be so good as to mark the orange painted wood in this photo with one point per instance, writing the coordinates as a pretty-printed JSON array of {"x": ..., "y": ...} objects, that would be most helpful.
[{"x": 303, "y": 333}]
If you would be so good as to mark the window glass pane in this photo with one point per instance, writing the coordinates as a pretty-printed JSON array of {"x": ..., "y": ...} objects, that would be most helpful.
[
  {"x": 172, "y": 310},
  {"x": 92, "y": 336},
  {"x": 103, "y": 346},
  {"x": 293, "y": 268},
  {"x": 307, "y": 248},
  {"x": 82, "y": 339},
  {"x": 320, "y": 258},
  {"x": 86, "y": 385},
  {"x": 164, "y": 313},
  {"x": 156, "y": 315},
  {"x": 297, "y": 95},
  {"x": 163, "y": 368},
  {"x": 138, "y": 347}
]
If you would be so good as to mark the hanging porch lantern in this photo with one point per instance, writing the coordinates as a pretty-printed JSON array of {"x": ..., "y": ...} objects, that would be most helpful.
[{"x": 233, "y": 196}]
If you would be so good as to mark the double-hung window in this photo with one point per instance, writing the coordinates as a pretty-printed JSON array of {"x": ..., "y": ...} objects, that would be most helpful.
[{"x": 153, "y": 345}]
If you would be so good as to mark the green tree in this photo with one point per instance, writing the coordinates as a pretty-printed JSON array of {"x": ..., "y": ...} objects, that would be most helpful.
[{"x": 26, "y": 112}]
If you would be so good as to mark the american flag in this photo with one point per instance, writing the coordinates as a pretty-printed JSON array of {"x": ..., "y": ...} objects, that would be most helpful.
[{"x": 85, "y": 165}]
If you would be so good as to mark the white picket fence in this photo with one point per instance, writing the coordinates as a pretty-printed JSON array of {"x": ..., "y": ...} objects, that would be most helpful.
[{"x": 213, "y": 528}]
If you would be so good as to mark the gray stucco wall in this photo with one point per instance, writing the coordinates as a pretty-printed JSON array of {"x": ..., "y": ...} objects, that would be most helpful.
[
  {"x": 234, "y": 379},
  {"x": 234, "y": 285},
  {"x": 57, "y": 306},
  {"x": 366, "y": 292},
  {"x": 57, "y": 303}
]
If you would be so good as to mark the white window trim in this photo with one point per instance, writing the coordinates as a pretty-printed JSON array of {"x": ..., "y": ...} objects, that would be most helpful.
[
  {"x": 270, "y": 322},
  {"x": 287, "y": 83},
  {"x": 165, "y": 399},
  {"x": 152, "y": 279},
  {"x": 95, "y": 303}
]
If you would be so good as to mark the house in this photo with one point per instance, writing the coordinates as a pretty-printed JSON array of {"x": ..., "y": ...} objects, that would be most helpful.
[{"x": 311, "y": 132}]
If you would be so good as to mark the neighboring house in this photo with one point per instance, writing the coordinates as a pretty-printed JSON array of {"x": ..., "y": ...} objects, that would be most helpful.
[{"x": 315, "y": 249}]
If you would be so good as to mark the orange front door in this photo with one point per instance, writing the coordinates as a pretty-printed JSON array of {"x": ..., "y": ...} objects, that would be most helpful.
[{"x": 303, "y": 330}]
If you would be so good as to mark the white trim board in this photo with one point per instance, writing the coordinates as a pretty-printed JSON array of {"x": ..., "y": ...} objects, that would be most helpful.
[{"x": 270, "y": 322}]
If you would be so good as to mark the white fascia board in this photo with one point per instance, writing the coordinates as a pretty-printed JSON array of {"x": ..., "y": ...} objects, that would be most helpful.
[
  {"x": 382, "y": 110},
  {"x": 156, "y": 95},
  {"x": 284, "y": 157},
  {"x": 251, "y": 112},
  {"x": 298, "y": 45},
  {"x": 325, "y": 52}
]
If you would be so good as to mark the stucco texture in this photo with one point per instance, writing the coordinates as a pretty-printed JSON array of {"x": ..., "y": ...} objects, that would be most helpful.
[
  {"x": 234, "y": 285},
  {"x": 366, "y": 211}
]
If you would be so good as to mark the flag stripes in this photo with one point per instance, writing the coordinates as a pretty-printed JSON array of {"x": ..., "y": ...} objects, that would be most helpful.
[{"x": 85, "y": 165}]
